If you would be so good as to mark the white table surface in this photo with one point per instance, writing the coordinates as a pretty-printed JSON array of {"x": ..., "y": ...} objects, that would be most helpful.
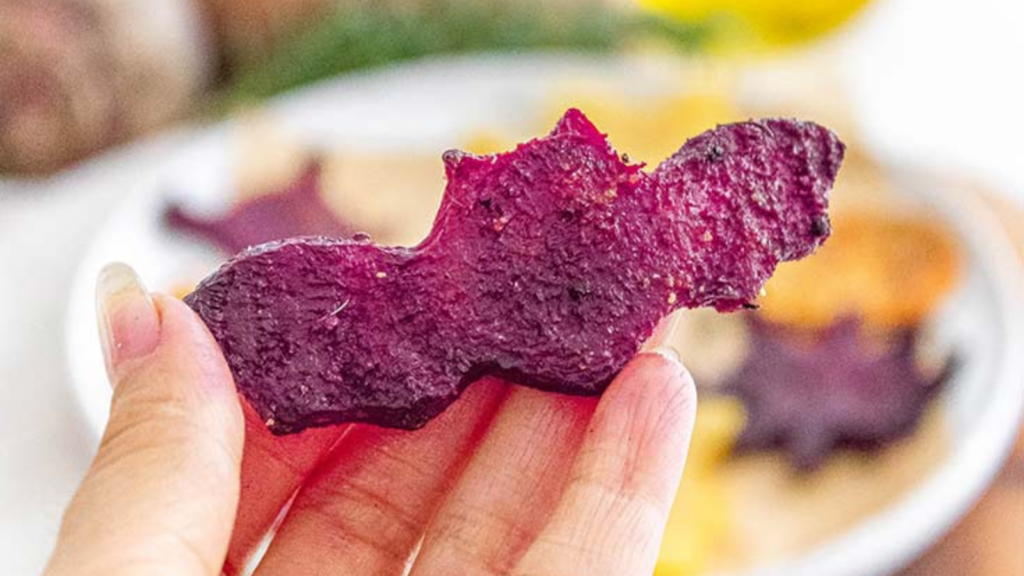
[
  {"x": 934, "y": 80},
  {"x": 44, "y": 445}
]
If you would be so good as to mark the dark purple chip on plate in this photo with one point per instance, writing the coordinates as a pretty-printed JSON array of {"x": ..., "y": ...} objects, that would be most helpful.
[
  {"x": 810, "y": 392},
  {"x": 296, "y": 210}
]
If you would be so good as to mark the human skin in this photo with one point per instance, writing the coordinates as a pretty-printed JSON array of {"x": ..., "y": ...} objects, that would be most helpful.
[{"x": 187, "y": 480}]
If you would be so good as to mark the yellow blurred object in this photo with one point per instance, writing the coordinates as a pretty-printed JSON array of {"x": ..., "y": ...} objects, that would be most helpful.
[
  {"x": 719, "y": 420},
  {"x": 268, "y": 157},
  {"x": 488, "y": 142},
  {"x": 394, "y": 197},
  {"x": 764, "y": 22},
  {"x": 652, "y": 129},
  {"x": 891, "y": 270},
  {"x": 182, "y": 288},
  {"x": 801, "y": 512},
  {"x": 699, "y": 521},
  {"x": 648, "y": 129}
]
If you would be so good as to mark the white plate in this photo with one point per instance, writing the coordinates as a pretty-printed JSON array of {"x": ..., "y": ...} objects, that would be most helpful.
[{"x": 431, "y": 106}]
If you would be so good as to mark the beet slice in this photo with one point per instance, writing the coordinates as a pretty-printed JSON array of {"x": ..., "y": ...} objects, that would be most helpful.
[
  {"x": 810, "y": 392},
  {"x": 548, "y": 265},
  {"x": 296, "y": 210}
]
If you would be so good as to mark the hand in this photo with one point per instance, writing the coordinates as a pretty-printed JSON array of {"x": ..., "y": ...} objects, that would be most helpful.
[{"x": 508, "y": 481}]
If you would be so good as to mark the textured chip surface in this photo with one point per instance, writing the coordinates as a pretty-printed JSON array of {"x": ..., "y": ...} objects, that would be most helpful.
[
  {"x": 296, "y": 210},
  {"x": 548, "y": 265},
  {"x": 811, "y": 392}
]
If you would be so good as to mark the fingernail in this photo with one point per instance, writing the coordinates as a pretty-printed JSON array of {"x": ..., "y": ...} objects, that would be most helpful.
[
  {"x": 129, "y": 324},
  {"x": 669, "y": 353},
  {"x": 663, "y": 333}
]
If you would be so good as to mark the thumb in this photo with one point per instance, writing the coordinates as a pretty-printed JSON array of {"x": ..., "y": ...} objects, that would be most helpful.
[{"x": 160, "y": 496}]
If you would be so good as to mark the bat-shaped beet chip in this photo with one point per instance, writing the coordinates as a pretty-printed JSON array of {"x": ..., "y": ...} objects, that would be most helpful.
[{"x": 548, "y": 265}]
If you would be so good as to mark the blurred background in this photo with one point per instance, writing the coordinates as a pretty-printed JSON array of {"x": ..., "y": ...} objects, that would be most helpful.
[{"x": 858, "y": 422}]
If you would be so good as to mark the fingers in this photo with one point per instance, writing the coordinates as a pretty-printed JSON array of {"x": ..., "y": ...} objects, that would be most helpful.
[
  {"x": 614, "y": 508},
  {"x": 509, "y": 488},
  {"x": 160, "y": 496},
  {"x": 273, "y": 468},
  {"x": 365, "y": 509}
]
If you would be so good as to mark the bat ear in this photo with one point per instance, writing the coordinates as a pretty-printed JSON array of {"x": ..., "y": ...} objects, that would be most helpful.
[
  {"x": 455, "y": 159},
  {"x": 309, "y": 181},
  {"x": 576, "y": 122}
]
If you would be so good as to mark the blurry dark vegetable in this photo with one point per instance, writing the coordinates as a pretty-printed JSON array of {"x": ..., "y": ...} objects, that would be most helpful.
[{"x": 80, "y": 75}]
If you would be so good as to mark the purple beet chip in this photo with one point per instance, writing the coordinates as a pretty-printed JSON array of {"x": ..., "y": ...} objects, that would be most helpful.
[
  {"x": 297, "y": 210},
  {"x": 548, "y": 265},
  {"x": 809, "y": 393}
]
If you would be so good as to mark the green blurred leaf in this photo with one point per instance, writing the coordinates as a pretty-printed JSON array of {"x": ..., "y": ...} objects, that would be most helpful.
[{"x": 367, "y": 35}]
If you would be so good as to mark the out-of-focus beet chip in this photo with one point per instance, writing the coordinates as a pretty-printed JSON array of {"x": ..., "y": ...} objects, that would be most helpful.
[
  {"x": 548, "y": 265},
  {"x": 894, "y": 270},
  {"x": 811, "y": 392},
  {"x": 297, "y": 210}
]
